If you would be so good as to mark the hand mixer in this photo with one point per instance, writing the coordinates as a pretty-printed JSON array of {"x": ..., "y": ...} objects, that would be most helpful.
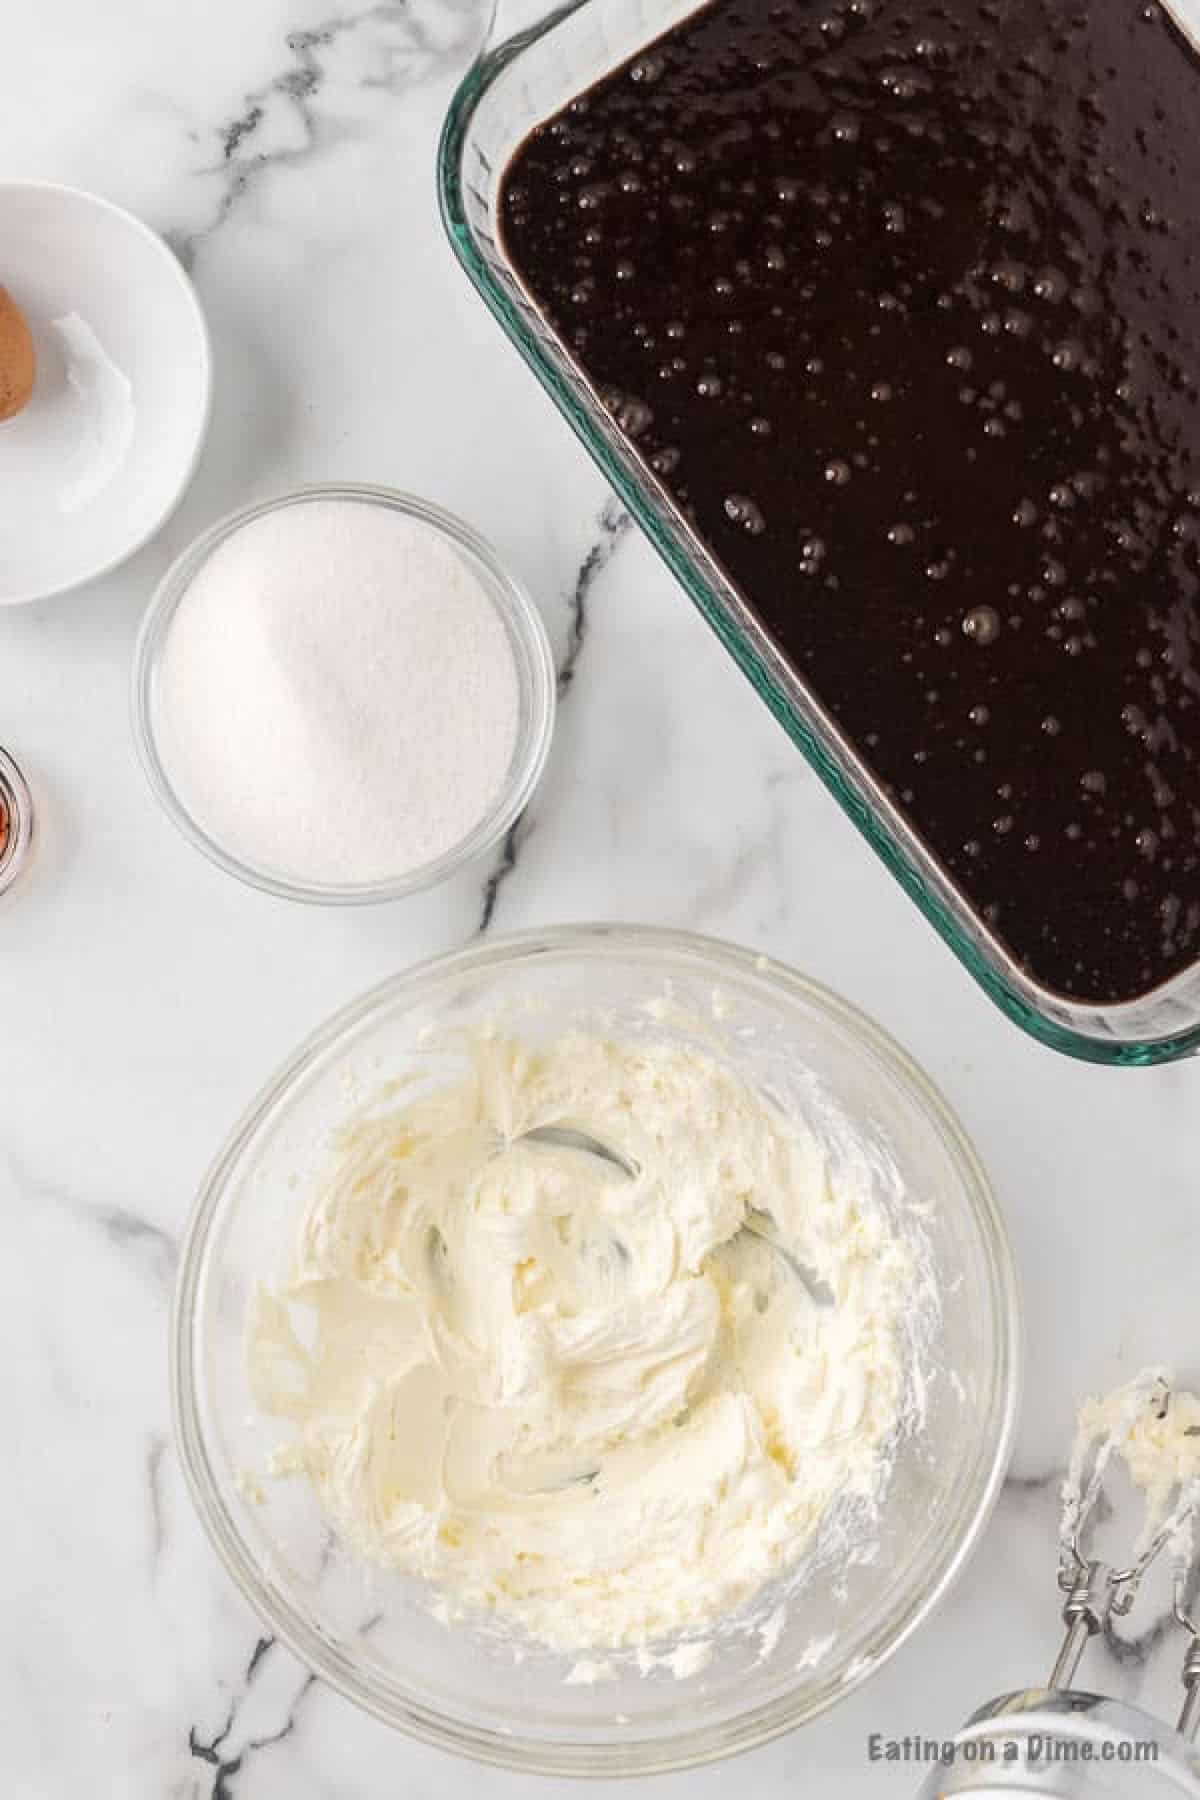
[{"x": 1057, "y": 1740}]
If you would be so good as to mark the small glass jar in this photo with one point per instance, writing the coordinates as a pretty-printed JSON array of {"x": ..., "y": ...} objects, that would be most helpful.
[{"x": 16, "y": 821}]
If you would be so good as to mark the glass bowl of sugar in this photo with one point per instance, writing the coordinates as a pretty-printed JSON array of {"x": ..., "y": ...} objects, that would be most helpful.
[{"x": 341, "y": 695}]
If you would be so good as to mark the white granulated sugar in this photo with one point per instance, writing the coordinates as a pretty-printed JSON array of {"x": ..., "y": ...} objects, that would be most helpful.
[{"x": 338, "y": 697}]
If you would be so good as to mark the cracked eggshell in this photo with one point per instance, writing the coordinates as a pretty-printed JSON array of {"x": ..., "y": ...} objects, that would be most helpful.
[{"x": 18, "y": 359}]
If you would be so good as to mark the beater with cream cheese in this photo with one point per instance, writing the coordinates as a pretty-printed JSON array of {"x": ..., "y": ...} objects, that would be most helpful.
[
  {"x": 1153, "y": 1428},
  {"x": 578, "y": 1399}
]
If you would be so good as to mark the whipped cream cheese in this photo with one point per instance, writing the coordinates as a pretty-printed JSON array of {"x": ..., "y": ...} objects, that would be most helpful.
[{"x": 585, "y": 1402}]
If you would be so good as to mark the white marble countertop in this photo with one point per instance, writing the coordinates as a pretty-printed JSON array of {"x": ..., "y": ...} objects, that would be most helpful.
[{"x": 287, "y": 151}]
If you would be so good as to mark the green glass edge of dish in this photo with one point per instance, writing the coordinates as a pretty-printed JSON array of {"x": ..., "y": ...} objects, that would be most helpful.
[{"x": 1132, "y": 1053}]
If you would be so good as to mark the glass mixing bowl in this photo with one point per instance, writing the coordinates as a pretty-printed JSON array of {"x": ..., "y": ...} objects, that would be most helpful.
[
  {"x": 533, "y": 664},
  {"x": 372, "y": 1636}
]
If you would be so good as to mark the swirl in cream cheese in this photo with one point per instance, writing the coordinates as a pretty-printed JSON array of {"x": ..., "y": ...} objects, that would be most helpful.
[{"x": 578, "y": 1399}]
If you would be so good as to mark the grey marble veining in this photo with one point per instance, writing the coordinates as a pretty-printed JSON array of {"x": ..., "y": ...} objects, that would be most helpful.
[
  {"x": 300, "y": 112},
  {"x": 612, "y": 525}
]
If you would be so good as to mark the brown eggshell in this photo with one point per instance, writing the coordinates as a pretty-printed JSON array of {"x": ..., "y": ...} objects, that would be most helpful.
[{"x": 18, "y": 361}]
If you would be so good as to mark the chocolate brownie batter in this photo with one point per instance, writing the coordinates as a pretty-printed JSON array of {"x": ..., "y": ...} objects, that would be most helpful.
[{"x": 901, "y": 301}]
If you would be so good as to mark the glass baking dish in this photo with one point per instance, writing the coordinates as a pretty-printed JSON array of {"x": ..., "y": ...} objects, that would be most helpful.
[{"x": 535, "y": 60}]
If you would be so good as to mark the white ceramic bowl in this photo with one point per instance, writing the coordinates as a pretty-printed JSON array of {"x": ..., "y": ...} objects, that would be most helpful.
[{"x": 106, "y": 446}]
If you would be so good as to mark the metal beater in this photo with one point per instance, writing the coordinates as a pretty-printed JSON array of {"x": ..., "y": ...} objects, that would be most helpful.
[{"x": 1056, "y": 1740}]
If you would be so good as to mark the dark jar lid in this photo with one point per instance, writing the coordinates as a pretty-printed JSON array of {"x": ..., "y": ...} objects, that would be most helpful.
[{"x": 16, "y": 821}]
